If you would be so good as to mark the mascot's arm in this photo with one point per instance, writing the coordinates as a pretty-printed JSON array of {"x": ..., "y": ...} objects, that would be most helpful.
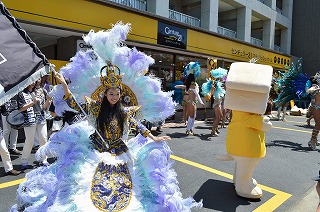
[
  {"x": 266, "y": 124},
  {"x": 254, "y": 121}
]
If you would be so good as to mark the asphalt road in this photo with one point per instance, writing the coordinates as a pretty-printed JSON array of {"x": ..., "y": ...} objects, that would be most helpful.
[{"x": 284, "y": 174}]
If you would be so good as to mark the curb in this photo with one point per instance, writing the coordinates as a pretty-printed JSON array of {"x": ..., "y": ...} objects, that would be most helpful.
[{"x": 307, "y": 203}]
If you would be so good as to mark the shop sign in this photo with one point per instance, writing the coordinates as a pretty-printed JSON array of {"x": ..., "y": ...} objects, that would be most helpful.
[
  {"x": 81, "y": 45},
  {"x": 173, "y": 36}
]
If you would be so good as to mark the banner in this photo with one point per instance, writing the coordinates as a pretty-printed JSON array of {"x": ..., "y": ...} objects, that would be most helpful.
[{"x": 21, "y": 61}]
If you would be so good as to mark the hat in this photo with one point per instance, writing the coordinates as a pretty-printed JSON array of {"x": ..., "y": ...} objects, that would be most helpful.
[{"x": 111, "y": 79}]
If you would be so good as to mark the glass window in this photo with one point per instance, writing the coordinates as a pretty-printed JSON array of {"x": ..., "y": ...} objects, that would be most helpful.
[
  {"x": 162, "y": 68},
  {"x": 182, "y": 61}
]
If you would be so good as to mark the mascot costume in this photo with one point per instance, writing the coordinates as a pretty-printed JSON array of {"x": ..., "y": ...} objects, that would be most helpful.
[{"x": 248, "y": 86}]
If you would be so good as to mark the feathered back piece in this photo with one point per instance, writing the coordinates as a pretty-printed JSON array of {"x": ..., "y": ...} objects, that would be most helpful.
[
  {"x": 293, "y": 84},
  {"x": 107, "y": 48},
  {"x": 192, "y": 68},
  {"x": 216, "y": 75}
]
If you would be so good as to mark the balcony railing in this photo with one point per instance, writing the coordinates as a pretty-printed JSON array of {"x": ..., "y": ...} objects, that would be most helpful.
[
  {"x": 276, "y": 48},
  {"x": 227, "y": 32},
  {"x": 137, "y": 4},
  {"x": 177, "y": 16},
  {"x": 256, "y": 41},
  {"x": 278, "y": 10}
]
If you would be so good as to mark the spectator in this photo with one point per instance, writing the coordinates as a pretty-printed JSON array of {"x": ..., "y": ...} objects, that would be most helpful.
[
  {"x": 10, "y": 134},
  {"x": 5, "y": 155},
  {"x": 31, "y": 101}
]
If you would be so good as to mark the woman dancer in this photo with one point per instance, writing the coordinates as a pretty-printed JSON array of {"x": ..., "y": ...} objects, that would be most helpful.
[
  {"x": 97, "y": 169},
  {"x": 213, "y": 87},
  {"x": 314, "y": 90},
  {"x": 191, "y": 93}
]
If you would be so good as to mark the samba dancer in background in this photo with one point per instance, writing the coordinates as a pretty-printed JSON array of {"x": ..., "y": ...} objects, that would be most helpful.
[{"x": 191, "y": 93}]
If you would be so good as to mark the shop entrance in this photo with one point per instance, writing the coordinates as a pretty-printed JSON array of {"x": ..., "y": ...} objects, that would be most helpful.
[{"x": 165, "y": 73}]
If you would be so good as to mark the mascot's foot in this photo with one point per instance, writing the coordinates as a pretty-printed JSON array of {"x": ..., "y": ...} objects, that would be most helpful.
[
  {"x": 225, "y": 157},
  {"x": 256, "y": 193}
]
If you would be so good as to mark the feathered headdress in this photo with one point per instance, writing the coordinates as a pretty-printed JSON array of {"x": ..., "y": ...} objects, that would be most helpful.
[
  {"x": 192, "y": 68},
  {"x": 218, "y": 73}
]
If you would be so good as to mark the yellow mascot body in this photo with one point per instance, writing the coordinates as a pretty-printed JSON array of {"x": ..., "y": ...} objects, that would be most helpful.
[{"x": 247, "y": 92}]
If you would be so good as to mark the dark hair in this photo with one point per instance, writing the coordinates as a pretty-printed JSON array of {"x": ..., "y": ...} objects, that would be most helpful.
[
  {"x": 107, "y": 112},
  {"x": 26, "y": 89},
  {"x": 189, "y": 79},
  {"x": 313, "y": 80}
]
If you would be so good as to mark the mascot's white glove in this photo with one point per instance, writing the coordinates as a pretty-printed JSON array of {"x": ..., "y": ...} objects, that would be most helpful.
[{"x": 266, "y": 124}]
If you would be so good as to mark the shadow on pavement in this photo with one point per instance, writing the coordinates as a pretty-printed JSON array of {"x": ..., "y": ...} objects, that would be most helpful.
[
  {"x": 214, "y": 194},
  {"x": 184, "y": 136},
  {"x": 288, "y": 144},
  {"x": 304, "y": 126}
]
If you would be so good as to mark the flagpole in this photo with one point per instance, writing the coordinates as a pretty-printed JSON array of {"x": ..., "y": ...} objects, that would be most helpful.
[{"x": 84, "y": 112}]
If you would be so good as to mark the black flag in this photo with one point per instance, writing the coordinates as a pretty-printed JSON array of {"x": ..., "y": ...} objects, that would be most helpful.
[{"x": 21, "y": 61}]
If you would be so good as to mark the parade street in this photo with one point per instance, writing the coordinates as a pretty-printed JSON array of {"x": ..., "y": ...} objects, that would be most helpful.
[{"x": 284, "y": 174}]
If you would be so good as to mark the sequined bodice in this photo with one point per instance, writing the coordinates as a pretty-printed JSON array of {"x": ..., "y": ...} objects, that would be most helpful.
[{"x": 112, "y": 134}]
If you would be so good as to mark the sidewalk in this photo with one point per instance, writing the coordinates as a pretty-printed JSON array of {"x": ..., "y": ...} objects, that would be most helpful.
[{"x": 307, "y": 203}]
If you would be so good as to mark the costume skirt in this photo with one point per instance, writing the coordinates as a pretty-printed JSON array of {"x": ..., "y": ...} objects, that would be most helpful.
[{"x": 82, "y": 179}]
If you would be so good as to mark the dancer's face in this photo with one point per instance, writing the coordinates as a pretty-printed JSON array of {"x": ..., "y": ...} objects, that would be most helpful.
[{"x": 113, "y": 95}]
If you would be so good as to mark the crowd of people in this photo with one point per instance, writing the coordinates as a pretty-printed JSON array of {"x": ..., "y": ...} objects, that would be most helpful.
[{"x": 41, "y": 120}]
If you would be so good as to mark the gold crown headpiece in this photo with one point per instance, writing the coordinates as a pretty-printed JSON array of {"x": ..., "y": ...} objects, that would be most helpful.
[{"x": 111, "y": 79}]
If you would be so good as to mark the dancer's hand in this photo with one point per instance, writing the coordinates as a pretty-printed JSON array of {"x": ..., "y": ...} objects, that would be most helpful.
[
  {"x": 162, "y": 138},
  {"x": 63, "y": 82},
  {"x": 61, "y": 79}
]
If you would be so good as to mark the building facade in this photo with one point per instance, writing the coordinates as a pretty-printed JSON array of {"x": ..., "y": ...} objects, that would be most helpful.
[
  {"x": 306, "y": 33},
  {"x": 174, "y": 32}
]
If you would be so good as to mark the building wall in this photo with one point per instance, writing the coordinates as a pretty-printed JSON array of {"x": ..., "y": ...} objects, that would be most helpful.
[
  {"x": 306, "y": 34},
  {"x": 82, "y": 16}
]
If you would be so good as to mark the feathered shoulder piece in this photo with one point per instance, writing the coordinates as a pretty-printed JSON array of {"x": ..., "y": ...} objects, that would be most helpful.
[
  {"x": 214, "y": 84},
  {"x": 133, "y": 111},
  {"x": 206, "y": 87},
  {"x": 137, "y": 89}
]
